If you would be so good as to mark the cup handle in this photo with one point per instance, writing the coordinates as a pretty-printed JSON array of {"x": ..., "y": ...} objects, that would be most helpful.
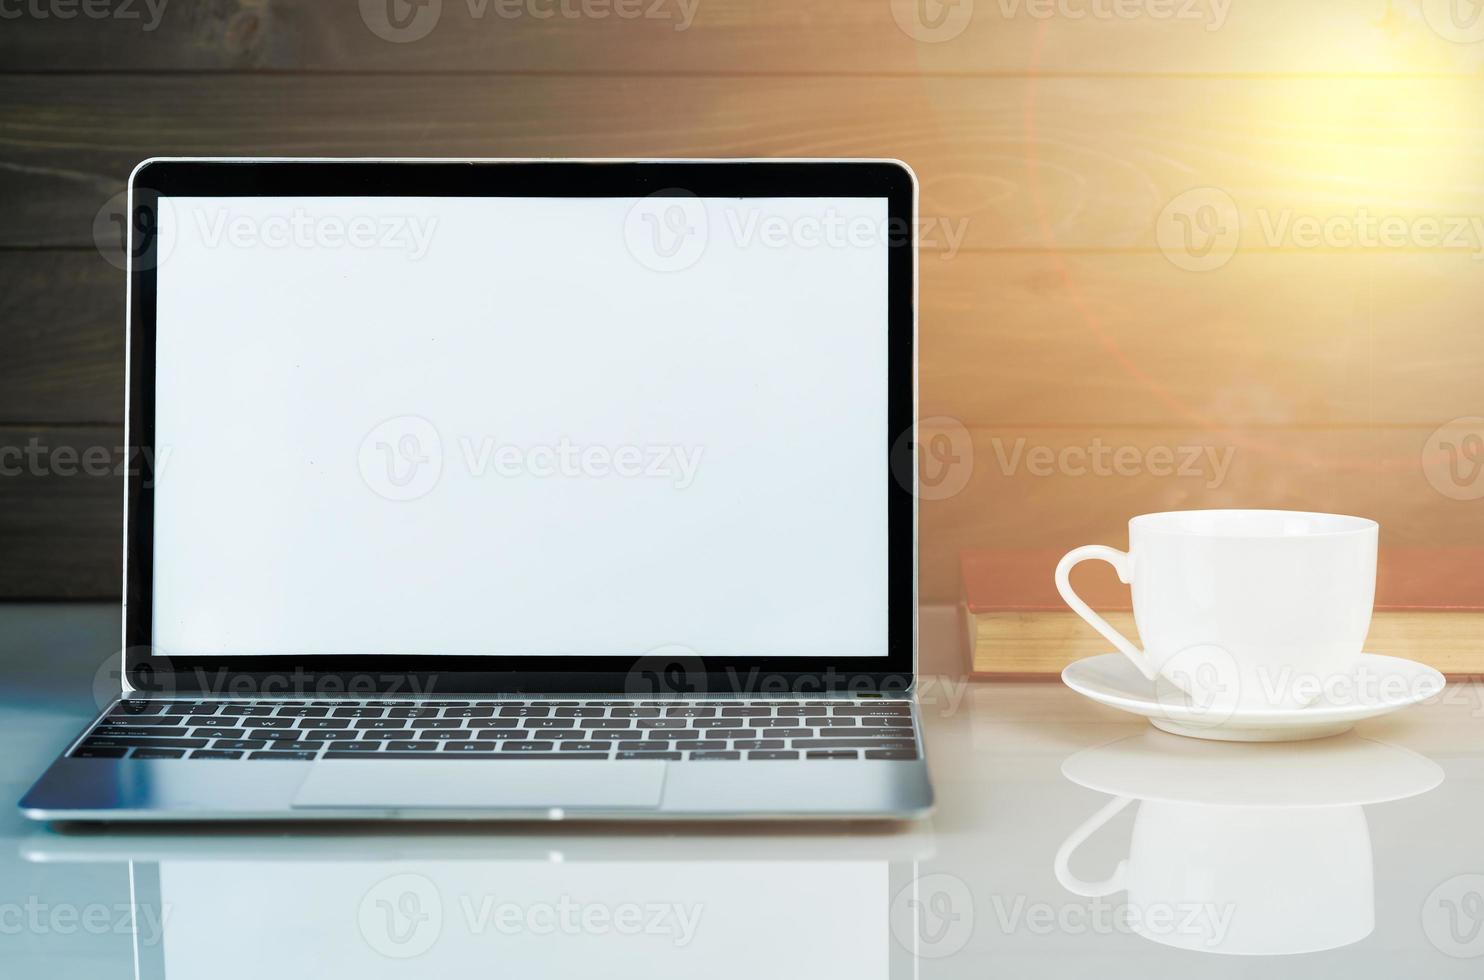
[
  {"x": 1119, "y": 561},
  {"x": 1091, "y": 889}
]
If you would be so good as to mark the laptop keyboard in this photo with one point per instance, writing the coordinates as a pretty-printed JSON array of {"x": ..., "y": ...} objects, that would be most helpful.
[{"x": 504, "y": 729}]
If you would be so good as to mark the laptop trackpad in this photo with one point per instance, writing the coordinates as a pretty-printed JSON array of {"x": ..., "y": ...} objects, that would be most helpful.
[{"x": 482, "y": 783}]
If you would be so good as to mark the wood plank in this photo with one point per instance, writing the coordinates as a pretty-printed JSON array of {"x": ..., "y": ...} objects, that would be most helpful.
[
  {"x": 1056, "y": 488},
  {"x": 1044, "y": 643},
  {"x": 744, "y": 36},
  {"x": 61, "y": 512},
  {"x": 1304, "y": 339},
  {"x": 1005, "y": 163},
  {"x": 1015, "y": 580},
  {"x": 62, "y": 315}
]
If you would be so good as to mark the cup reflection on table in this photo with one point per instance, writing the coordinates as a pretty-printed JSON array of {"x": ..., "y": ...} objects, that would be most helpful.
[{"x": 1243, "y": 849}]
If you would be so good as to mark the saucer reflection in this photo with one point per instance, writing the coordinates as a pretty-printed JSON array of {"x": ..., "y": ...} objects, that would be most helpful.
[{"x": 1240, "y": 848}]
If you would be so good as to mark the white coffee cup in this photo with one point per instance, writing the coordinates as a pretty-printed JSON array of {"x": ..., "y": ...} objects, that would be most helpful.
[{"x": 1241, "y": 609}]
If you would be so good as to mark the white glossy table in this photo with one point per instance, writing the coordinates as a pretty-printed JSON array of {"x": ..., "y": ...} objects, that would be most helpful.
[{"x": 969, "y": 893}]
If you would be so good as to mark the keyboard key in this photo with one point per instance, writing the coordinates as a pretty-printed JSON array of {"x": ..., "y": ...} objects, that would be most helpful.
[
  {"x": 665, "y": 733},
  {"x": 356, "y": 747},
  {"x": 729, "y": 733},
  {"x": 642, "y": 746},
  {"x": 303, "y": 712},
  {"x": 322, "y": 724},
  {"x": 274, "y": 734},
  {"x": 441, "y": 735},
  {"x": 716, "y": 755},
  {"x": 773, "y": 754},
  {"x": 533, "y": 722},
  {"x": 158, "y": 753},
  {"x": 634, "y": 713},
  {"x": 533, "y": 746},
  {"x": 580, "y": 713},
  {"x": 866, "y": 733},
  {"x": 238, "y": 743},
  {"x": 191, "y": 709},
  {"x": 697, "y": 745},
  {"x": 337, "y": 735},
  {"x": 690, "y": 711},
  {"x": 524, "y": 711},
  {"x": 759, "y": 743},
  {"x": 830, "y": 754},
  {"x": 359, "y": 712},
  {"x": 380, "y": 724},
  {"x": 851, "y": 743},
  {"x": 214, "y": 754},
  {"x": 882, "y": 710},
  {"x": 748, "y": 712},
  {"x": 614, "y": 723},
  {"x": 604, "y": 735},
  {"x": 584, "y": 746},
  {"x": 145, "y": 743},
  {"x": 890, "y": 754},
  {"x": 492, "y": 723},
  {"x": 499, "y": 734},
  {"x": 446, "y": 754},
  {"x": 292, "y": 756},
  {"x": 408, "y": 746},
  {"x": 469, "y": 712},
  {"x": 120, "y": 731},
  {"x": 831, "y": 721},
  {"x": 445, "y": 723},
  {"x": 216, "y": 733},
  {"x": 284, "y": 723},
  {"x": 463, "y": 747},
  {"x": 648, "y": 755},
  {"x": 150, "y": 721},
  {"x": 786, "y": 732},
  {"x": 84, "y": 752},
  {"x": 561, "y": 733},
  {"x": 661, "y": 723},
  {"x": 445, "y": 704},
  {"x": 412, "y": 713}
]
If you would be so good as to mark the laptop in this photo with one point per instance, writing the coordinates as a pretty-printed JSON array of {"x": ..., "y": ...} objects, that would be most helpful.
[{"x": 497, "y": 489}]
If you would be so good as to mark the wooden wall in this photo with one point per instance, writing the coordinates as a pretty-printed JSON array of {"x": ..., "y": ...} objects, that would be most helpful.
[{"x": 1189, "y": 251}]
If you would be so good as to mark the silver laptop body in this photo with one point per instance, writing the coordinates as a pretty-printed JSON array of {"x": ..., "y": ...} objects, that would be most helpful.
[{"x": 515, "y": 490}]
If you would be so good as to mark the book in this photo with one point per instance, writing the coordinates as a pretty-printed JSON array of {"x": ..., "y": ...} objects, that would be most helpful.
[{"x": 1429, "y": 608}]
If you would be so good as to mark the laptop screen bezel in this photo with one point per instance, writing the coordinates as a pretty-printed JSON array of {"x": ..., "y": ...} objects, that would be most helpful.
[{"x": 147, "y": 670}]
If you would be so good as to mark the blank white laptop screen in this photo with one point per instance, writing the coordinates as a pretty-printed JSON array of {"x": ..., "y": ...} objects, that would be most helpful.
[{"x": 521, "y": 426}]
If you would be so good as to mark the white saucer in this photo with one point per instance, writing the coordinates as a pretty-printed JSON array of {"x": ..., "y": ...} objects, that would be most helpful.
[
  {"x": 1343, "y": 771},
  {"x": 1383, "y": 684}
]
